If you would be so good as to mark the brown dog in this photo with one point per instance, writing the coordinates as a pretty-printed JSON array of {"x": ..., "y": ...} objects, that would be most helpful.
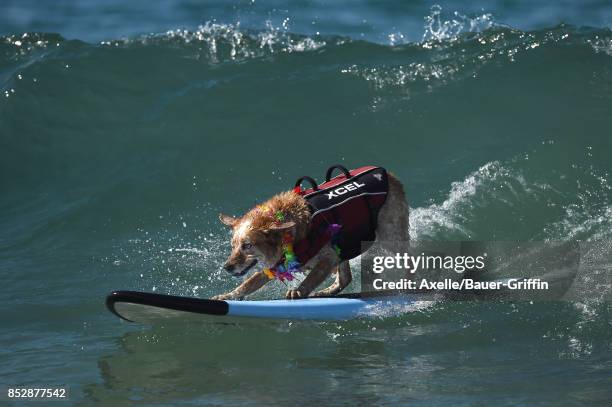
[{"x": 257, "y": 242}]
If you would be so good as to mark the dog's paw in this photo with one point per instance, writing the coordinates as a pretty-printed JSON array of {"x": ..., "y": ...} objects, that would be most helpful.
[
  {"x": 228, "y": 296},
  {"x": 293, "y": 295},
  {"x": 219, "y": 297}
]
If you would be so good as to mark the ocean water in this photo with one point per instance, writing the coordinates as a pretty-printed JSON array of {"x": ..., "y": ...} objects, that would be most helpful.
[{"x": 126, "y": 127}]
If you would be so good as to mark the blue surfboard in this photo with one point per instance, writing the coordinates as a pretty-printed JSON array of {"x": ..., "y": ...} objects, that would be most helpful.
[{"x": 138, "y": 306}]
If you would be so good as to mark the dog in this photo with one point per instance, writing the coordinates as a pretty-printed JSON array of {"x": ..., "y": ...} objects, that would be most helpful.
[{"x": 260, "y": 237}]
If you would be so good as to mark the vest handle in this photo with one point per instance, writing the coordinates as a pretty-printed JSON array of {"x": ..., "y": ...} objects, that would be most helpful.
[
  {"x": 331, "y": 169},
  {"x": 312, "y": 182}
]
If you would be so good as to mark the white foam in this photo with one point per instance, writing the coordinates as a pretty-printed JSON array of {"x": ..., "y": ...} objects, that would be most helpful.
[
  {"x": 602, "y": 44},
  {"x": 385, "y": 309},
  {"x": 426, "y": 220},
  {"x": 437, "y": 29},
  {"x": 220, "y": 42}
]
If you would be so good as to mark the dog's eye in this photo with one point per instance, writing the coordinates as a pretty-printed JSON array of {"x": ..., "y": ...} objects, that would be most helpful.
[{"x": 246, "y": 246}]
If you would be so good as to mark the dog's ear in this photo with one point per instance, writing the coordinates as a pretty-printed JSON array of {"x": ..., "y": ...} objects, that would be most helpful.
[
  {"x": 283, "y": 226},
  {"x": 227, "y": 220}
]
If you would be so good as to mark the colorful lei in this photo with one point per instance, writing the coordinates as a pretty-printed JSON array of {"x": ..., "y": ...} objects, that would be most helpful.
[{"x": 289, "y": 265}]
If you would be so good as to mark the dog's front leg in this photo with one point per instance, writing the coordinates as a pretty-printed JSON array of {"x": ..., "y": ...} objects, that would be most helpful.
[
  {"x": 250, "y": 285},
  {"x": 321, "y": 270}
]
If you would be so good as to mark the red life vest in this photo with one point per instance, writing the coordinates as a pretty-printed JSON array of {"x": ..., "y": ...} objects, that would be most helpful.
[{"x": 344, "y": 211}]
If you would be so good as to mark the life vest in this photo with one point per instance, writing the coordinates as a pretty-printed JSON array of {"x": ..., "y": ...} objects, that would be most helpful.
[{"x": 343, "y": 211}]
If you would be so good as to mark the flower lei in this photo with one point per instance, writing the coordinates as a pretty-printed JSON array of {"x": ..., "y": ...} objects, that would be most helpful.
[
  {"x": 283, "y": 271},
  {"x": 290, "y": 264}
]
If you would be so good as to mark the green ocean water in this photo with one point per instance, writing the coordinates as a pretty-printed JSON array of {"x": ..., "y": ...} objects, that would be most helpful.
[{"x": 117, "y": 153}]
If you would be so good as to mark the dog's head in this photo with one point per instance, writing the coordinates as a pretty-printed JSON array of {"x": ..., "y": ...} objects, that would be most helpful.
[{"x": 254, "y": 243}]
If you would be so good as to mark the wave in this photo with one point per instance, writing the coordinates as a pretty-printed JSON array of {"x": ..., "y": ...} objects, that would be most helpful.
[
  {"x": 394, "y": 73},
  {"x": 222, "y": 42}
]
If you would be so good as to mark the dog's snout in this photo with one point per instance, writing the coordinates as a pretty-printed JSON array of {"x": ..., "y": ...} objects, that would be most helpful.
[{"x": 229, "y": 266}]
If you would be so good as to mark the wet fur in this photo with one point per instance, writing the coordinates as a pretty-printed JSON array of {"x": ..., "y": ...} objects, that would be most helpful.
[{"x": 261, "y": 230}]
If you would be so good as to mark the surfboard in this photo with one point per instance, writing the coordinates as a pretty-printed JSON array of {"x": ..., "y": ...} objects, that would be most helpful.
[{"x": 135, "y": 306}]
